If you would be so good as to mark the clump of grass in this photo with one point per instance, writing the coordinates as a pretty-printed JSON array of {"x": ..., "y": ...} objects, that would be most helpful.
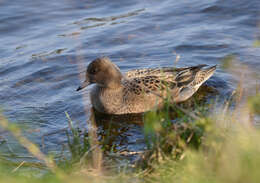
[
  {"x": 167, "y": 138},
  {"x": 84, "y": 149},
  {"x": 78, "y": 143},
  {"x": 225, "y": 155}
]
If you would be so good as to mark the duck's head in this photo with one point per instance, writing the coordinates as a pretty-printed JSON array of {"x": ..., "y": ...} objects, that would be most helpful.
[{"x": 102, "y": 72}]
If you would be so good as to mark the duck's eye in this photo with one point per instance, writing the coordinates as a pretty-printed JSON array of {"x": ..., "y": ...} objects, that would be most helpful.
[{"x": 93, "y": 71}]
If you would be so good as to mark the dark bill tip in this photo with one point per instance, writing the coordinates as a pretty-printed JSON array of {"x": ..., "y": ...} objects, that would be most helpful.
[
  {"x": 79, "y": 88},
  {"x": 83, "y": 85}
]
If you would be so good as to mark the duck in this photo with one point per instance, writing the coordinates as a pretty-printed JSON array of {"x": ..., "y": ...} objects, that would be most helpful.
[{"x": 140, "y": 90}]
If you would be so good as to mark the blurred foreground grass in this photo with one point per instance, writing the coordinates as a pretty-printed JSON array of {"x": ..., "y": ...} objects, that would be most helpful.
[{"x": 206, "y": 144}]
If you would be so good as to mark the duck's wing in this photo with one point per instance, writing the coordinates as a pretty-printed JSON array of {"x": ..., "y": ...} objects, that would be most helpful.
[
  {"x": 149, "y": 84},
  {"x": 181, "y": 82}
]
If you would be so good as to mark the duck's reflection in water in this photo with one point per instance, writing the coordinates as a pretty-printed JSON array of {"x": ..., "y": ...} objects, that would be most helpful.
[{"x": 120, "y": 133}]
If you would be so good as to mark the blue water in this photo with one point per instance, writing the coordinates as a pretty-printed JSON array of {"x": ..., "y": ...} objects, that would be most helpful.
[{"x": 46, "y": 45}]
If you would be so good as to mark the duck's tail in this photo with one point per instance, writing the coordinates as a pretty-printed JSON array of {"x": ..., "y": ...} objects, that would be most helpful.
[
  {"x": 202, "y": 76},
  {"x": 190, "y": 86}
]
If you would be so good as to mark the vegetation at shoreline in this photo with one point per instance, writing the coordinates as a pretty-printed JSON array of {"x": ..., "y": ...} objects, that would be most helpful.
[{"x": 207, "y": 143}]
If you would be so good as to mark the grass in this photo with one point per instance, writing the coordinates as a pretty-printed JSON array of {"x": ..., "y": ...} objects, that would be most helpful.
[{"x": 205, "y": 144}]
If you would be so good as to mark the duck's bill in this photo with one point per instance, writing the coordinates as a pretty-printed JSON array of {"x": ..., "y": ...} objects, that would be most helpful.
[{"x": 83, "y": 85}]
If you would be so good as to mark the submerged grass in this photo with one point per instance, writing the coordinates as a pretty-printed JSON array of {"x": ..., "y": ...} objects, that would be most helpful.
[{"x": 204, "y": 144}]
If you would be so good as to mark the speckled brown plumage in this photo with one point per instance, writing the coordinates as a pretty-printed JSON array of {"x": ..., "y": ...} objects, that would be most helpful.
[{"x": 140, "y": 90}]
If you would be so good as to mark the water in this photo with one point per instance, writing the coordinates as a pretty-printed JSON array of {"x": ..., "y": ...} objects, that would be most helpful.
[{"x": 46, "y": 45}]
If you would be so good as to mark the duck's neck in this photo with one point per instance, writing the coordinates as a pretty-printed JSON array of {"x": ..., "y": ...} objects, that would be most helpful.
[
  {"x": 111, "y": 85},
  {"x": 114, "y": 85},
  {"x": 114, "y": 81}
]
